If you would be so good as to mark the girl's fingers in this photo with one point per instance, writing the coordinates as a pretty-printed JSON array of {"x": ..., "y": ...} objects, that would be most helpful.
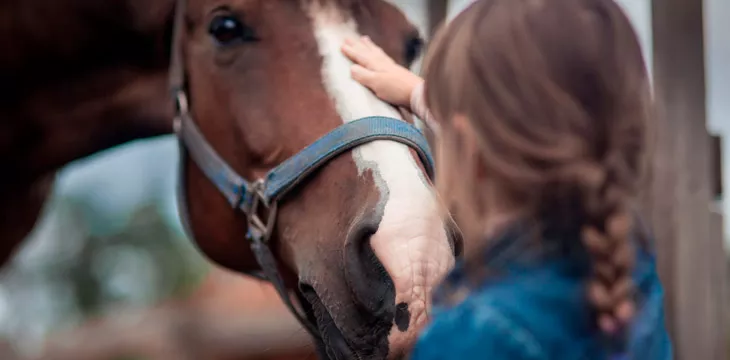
[
  {"x": 356, "y": 54},
  {"x": 364, "y": 52},
  {"x": 368, "y": 42},
  {"x": 372, "y": 46},
  {"x": 376, "y": 51},
  {"x": 362, "y": 75}
]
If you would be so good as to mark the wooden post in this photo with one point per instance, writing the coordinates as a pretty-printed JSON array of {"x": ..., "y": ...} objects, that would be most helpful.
[{"x": 681, "y": 192}]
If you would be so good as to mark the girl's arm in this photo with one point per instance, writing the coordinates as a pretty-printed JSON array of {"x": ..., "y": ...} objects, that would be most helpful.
[{"x": 418, "y": 107}]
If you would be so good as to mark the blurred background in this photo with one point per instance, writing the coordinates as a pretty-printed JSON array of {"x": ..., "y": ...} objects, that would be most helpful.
[{"x": 109, "y": 256}]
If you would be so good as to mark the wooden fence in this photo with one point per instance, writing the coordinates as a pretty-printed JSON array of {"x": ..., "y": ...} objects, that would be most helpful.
[{"x": 689, "y": 228}]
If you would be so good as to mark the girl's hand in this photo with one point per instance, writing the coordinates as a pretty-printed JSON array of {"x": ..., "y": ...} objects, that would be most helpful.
[{"x": 377, "y": 71}]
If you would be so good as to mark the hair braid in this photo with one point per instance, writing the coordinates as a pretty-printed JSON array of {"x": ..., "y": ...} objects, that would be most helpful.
[{"x": 605, "y": 196}]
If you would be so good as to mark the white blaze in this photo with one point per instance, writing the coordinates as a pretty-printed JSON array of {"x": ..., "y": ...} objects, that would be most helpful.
[{"x": 411, "y": 241}]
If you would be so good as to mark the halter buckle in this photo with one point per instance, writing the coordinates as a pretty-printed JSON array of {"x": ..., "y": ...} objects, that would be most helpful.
[{"x": 259, "y": 229}]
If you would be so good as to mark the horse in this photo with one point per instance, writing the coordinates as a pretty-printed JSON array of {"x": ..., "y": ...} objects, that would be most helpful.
[
  {"x": 357, "y": 234},
  {"x": 76, "y": 77}
]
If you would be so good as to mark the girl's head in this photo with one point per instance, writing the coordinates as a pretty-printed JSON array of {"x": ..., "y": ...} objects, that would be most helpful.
[{"x": 544, "y": 107}]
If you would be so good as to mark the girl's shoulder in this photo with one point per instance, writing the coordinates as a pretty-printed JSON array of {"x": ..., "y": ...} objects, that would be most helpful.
[{"x": 539, "y": 312}]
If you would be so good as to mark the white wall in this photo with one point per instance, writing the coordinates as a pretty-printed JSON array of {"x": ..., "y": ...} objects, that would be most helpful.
[{"x": 639, "y": 11}]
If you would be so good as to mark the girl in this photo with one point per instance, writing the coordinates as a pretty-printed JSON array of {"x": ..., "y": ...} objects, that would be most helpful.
[{"x": 542, "y": 110}]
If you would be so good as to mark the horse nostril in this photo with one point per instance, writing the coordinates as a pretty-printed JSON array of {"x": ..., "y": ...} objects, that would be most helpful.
[{"x": 370, "y": 283}]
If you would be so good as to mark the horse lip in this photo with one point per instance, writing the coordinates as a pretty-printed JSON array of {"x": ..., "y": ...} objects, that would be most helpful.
[{"x": 332, "y": 339}]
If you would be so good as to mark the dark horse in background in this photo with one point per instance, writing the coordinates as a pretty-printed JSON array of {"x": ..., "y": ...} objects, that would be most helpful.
[
  {"x": 76, "y": 77},
  {"x": 362, "y": 240}
]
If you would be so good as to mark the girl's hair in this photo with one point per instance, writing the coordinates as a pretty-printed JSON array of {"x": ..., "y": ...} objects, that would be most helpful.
[{"x": 558, "y": 98}]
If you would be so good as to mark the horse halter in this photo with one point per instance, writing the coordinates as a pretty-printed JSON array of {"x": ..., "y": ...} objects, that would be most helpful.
[{"x": 266, "y": 193}]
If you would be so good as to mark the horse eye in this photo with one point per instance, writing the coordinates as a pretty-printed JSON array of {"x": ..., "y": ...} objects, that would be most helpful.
[
  {"x": 227, "y": 30},
  {"x": 414, "y": 46}
]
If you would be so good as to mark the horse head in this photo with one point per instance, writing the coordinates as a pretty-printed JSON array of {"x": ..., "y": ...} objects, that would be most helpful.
[{"x": 361, "y": 240}]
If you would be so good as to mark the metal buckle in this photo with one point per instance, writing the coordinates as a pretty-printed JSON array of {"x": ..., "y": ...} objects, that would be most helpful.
[{"x": 260, "y": 229}]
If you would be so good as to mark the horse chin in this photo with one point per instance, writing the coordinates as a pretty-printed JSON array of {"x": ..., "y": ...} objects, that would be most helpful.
[
  {"x": 332, "y": 345},
  {"x": 335, "y": 345}
]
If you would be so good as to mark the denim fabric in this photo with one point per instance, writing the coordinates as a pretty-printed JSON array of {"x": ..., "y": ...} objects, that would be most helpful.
[{"x": 532, "y": 305}]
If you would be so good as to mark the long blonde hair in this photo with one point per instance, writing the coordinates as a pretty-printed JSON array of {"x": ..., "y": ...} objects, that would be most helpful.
[{"x": 557, "y": 94}]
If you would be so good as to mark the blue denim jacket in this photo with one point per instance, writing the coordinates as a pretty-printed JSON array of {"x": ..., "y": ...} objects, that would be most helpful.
[{"x": 532, "y": 305}]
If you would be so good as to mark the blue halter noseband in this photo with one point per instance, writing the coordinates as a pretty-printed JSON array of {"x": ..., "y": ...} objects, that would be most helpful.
[
  {"x": 258, "y": 200},
  {"x": 279, "y": 181}
]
